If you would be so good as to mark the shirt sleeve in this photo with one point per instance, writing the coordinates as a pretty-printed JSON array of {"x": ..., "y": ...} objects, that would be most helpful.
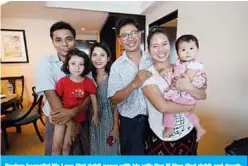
[
  {"x": 150, "y": 81},
  {"x": 90, "y": 86},
  {"x": 200, "y": 80},
  {"x": 43, "y": 76},
  {"x": 204, "y": 75},
  {"x": 114, "y": 82},
  {"x": 195, "y": 66},
  {"x": 60, "y": 87}
]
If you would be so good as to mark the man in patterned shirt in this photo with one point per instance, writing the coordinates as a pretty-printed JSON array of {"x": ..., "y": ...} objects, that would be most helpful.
[{"x": 126, "y": 76}]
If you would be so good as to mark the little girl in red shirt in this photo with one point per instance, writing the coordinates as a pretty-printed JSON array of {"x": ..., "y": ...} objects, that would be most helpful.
[{"x": 73, "y": 89}]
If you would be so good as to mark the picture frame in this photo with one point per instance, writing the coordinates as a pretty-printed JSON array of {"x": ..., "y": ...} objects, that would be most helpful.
[{"x": 13, "y": 46}]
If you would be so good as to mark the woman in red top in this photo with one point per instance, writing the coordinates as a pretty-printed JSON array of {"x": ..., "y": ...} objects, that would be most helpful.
[{"x": 73, "y": 89}]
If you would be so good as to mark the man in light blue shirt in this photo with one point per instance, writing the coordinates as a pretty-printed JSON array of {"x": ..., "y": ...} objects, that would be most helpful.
[
  {"x": 47, "y": 73},
  {"x": 126, "y": 76}
]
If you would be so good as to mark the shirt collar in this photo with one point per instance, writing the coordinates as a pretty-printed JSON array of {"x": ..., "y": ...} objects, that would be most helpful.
[
  {"x": 54, "y": 58},
  {"x": 144, "y": 55}
]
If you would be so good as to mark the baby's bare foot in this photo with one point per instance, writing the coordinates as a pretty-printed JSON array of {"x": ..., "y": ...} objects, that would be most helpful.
[{"x": 200, "y": 133}]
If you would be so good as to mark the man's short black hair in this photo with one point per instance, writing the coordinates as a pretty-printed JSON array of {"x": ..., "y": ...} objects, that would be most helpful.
[
  {"x": 123, "y": 21},
  {"x": 62, "y": 25}
]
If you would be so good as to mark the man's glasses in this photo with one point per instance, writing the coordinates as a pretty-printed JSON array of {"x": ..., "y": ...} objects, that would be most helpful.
[{"x": 132, "y": 34}]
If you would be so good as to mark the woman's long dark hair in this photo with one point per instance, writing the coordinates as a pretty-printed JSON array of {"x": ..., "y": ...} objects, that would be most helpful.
[{"x": 107, "y": 50}]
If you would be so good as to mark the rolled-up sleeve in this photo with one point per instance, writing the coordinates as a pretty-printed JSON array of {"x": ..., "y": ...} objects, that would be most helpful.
[
  {"x": 114, "y": 82},
  {"x": 150, "y": 81},
  {"x": 44, "y": 79}
]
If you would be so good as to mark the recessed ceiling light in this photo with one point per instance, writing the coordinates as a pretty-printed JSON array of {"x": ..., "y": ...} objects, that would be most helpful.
[
  {"x": 82, "y": 29},
  {"x": 113, "y": 27}
]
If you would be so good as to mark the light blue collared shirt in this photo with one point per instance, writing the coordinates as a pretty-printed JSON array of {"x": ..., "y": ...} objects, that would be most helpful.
[
  {"x": 122, "y": 73},
  {"x": 47, "y": 73}
]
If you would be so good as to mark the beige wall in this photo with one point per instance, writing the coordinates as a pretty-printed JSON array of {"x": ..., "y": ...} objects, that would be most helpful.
[
  {"x": 222, "y": 29},
  {"x": 38, "y": 44}
]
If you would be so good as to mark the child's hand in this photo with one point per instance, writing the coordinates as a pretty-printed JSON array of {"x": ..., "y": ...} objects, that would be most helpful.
[
  {"x": 191, "y": 73},
  {"x": 95, "y": 120},
  {"x": 73, "y": 129}
]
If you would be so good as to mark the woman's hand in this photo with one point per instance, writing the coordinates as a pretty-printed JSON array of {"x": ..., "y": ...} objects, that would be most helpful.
[
  {"x": 184, "y": 84},
  {"x": 95, "y": 120},
  {"x": 191, "y": 108},
  {"x": 115, "y": 133}
]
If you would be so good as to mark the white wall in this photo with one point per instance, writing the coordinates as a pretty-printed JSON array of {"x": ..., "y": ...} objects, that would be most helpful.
[
  {"x": 38, "y": 44},
  {"x": 222, "y": 30}
]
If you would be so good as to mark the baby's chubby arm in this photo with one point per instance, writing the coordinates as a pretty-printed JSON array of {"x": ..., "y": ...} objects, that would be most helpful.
[{"x": 184, "y": 82}]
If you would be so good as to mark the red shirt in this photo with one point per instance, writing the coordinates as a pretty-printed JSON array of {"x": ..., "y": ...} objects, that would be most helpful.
[{"x": 74, "y": 93}]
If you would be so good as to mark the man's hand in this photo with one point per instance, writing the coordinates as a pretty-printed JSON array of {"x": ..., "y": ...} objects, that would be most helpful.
[
  {"x": 183, "y": 83},
  {"x": 73, "y": 129},
  {"x": 61, "y": 116},
  {"x": 140, "y": 78}
]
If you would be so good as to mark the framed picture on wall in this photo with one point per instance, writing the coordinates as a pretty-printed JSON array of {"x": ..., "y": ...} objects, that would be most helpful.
[{"x": 13, "y": 46}]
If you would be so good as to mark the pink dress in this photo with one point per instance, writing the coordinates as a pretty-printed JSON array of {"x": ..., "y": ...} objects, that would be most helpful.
[{"x": 180, "y": 97}]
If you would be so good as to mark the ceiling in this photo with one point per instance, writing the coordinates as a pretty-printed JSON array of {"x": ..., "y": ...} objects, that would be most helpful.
[
  {"x": 134, "y": 7},
  {"x": 39, "y": 10},
  {"x": 88, "y": 15}
]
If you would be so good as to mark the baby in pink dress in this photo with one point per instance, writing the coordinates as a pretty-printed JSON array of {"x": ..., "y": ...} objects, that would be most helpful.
[{"x": 187, "y": 48}]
